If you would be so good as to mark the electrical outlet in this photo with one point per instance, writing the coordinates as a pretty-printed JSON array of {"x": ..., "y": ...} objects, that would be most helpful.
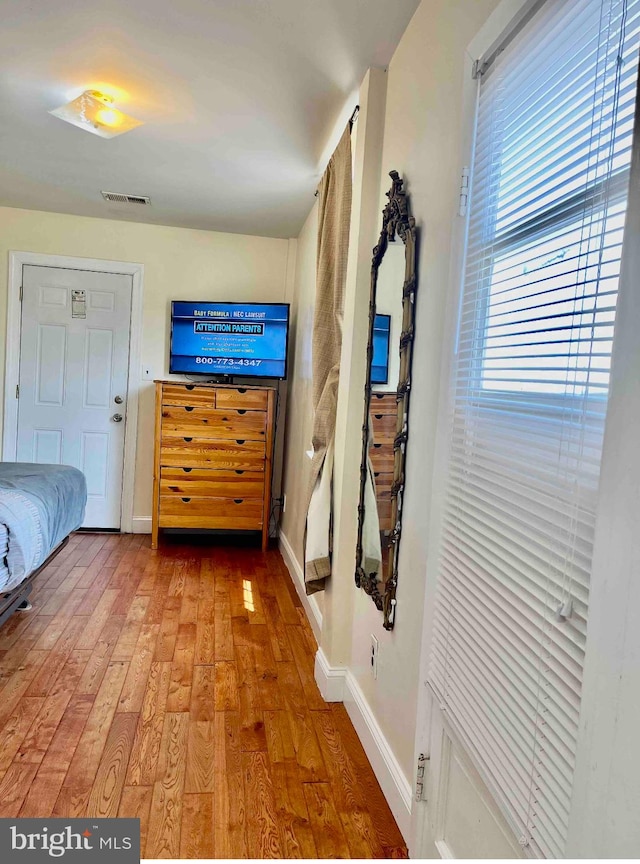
[{"x": 374, "y": 656}]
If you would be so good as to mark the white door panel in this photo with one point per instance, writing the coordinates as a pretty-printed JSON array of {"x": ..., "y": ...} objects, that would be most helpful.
[
  {"x": 98, "y": 357},
  {"x": 73, "y": 363},
  {"x": 47, "y": 446}
]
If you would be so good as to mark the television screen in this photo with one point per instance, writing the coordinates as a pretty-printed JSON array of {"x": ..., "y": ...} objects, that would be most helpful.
[
  {"x": 380, "y": 361},
  {"x": 246, "y": 339}
]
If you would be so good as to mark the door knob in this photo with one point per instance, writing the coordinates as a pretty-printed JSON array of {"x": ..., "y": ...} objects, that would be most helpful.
[
  {"x": 118, "y": 400},
  {"x": 117, "y": 418}
]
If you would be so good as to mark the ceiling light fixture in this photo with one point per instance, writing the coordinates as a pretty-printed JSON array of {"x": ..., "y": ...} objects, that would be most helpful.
[{"x": 94, "y": 112}]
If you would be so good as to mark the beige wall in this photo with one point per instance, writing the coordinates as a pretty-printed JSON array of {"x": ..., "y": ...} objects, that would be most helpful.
[
  {"x": 335, "y": 637},
  {"x": 178, "y": 264},
  {"x": 427, "y": 138},
  {"x": 422, "y": 140},
  {"x": 341, "y": 593},
  {"x": 299, "y": 404}
]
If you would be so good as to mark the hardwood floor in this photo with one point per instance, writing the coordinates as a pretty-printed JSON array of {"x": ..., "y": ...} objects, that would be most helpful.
[{"x": 177, "y": 686}]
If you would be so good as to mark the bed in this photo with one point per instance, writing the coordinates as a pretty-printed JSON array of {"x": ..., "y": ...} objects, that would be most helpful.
[{"x": 40, "y": 505}]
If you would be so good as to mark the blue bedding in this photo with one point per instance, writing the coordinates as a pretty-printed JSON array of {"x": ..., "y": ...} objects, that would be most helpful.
[{"x": 39, "y": 506}]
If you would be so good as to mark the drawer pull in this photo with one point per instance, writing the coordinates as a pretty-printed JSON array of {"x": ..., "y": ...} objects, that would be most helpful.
[
  {"x": 240, "y": 440},
  {"x": 377, "y": 446},
  {"x": 242, "y": 389},
  {"x": 187, "y": 439},
  {"x": 187, "y": 470},
  {"x": 189, "y": 407},
  {"x": 242, "y": 410},
  {"x": 174, "y": 488},
  {"x": 238, "y": 500},
  {"x": 186, "y": 500},
  {"x": 239, "y": 472},
  {"x": 190, "y": 386},
  {"x": 378, "y": 416}
]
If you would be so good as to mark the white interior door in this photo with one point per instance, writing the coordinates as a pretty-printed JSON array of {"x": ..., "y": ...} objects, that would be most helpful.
[{"x": 74, "y": 358}]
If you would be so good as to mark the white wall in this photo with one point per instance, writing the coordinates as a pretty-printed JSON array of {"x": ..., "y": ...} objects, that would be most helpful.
[
  {"x": 179, "y": 264},
  {"x": 422, "y": 141}
]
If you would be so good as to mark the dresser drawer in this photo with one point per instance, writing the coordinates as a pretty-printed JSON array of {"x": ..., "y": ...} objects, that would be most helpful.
[
  {"x": 194, "y": 452},
  {"x": 199, "y": 512},
  {"x": 182, "y": 422},
  {"x": 383, "y": 426},
  {"x": 212, "y": 457},
  {"x": 384, "y": 515},
  {"x": 383, "y": 403},
  {"x": 241, "y": 397},
  {"x": 381, "y": 456},
  {"x": 185, "y": 482},
  {"x": 383, "y": 483},
  {"x": 188, "y": 394}
]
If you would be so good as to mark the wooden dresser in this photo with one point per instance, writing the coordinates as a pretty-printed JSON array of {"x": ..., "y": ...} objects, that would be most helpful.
[
  {"x": 383, "y": 416},
  {"x": 213, "y": 457}
]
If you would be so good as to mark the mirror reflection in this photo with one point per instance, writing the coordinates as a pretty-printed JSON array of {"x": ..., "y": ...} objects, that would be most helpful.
[
  {"x": 387, "y": 394},
  {"x": 384, "y": 379}
]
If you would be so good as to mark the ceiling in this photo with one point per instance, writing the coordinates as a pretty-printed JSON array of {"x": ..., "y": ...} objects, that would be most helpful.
[{"x": 238, "y": 100}]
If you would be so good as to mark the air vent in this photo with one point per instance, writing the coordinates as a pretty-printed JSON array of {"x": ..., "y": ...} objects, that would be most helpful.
[{"x": 121, "y": 198}]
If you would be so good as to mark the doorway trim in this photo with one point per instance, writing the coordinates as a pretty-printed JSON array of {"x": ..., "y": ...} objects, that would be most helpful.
[{"x": 12, "y": 358}]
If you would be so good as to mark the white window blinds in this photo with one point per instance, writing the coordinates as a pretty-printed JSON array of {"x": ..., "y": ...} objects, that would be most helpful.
[{"x": 548, "y": 198}]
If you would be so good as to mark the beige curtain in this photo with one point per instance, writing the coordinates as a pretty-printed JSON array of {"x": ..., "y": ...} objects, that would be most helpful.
[{"x": 334, "y": 216}]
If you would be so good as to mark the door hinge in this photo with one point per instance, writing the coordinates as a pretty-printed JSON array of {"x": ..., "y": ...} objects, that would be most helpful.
[
  {"x": 21, "y": 292},
  {"x": 463, "y": 201},
  {"x": 422, "y": 761},
  {"x": 17, "y": 391}
]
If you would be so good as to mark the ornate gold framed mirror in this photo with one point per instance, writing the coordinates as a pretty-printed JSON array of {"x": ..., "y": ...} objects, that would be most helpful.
[{"x": 385, "y": 428}]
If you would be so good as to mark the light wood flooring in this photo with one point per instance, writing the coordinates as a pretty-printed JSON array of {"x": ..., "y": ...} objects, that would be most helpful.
[{"x": 177, "y": 686}]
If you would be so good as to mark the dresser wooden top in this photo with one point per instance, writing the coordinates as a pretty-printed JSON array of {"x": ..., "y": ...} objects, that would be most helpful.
[{"x": 192, "y": 384}]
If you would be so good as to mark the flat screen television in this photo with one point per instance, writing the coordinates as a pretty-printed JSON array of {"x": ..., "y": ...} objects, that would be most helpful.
[
  {"x": 380, "y": 360},
  {"x": 232, "y": 339}
]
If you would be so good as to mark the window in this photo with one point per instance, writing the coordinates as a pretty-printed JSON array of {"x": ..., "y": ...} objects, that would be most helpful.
[{"x": 549, "y": 189}]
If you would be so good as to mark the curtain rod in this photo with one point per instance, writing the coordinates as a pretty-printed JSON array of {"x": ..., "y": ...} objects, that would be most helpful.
[{"x": 352, "y": 120}]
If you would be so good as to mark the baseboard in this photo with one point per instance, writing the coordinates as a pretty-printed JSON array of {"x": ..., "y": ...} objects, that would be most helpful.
[
  {"x": 294, "y": 567},
  {"x": 443, "y": 850},
  {"x": 337, "y": 684},
  {"x": 392, "y": 779},
  {"x": 141, "y": 525},
  {"x": 330, "y": 679}
]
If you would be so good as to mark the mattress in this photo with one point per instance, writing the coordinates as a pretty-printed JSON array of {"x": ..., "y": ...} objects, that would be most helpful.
[{"x": 39, "y": 506}]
